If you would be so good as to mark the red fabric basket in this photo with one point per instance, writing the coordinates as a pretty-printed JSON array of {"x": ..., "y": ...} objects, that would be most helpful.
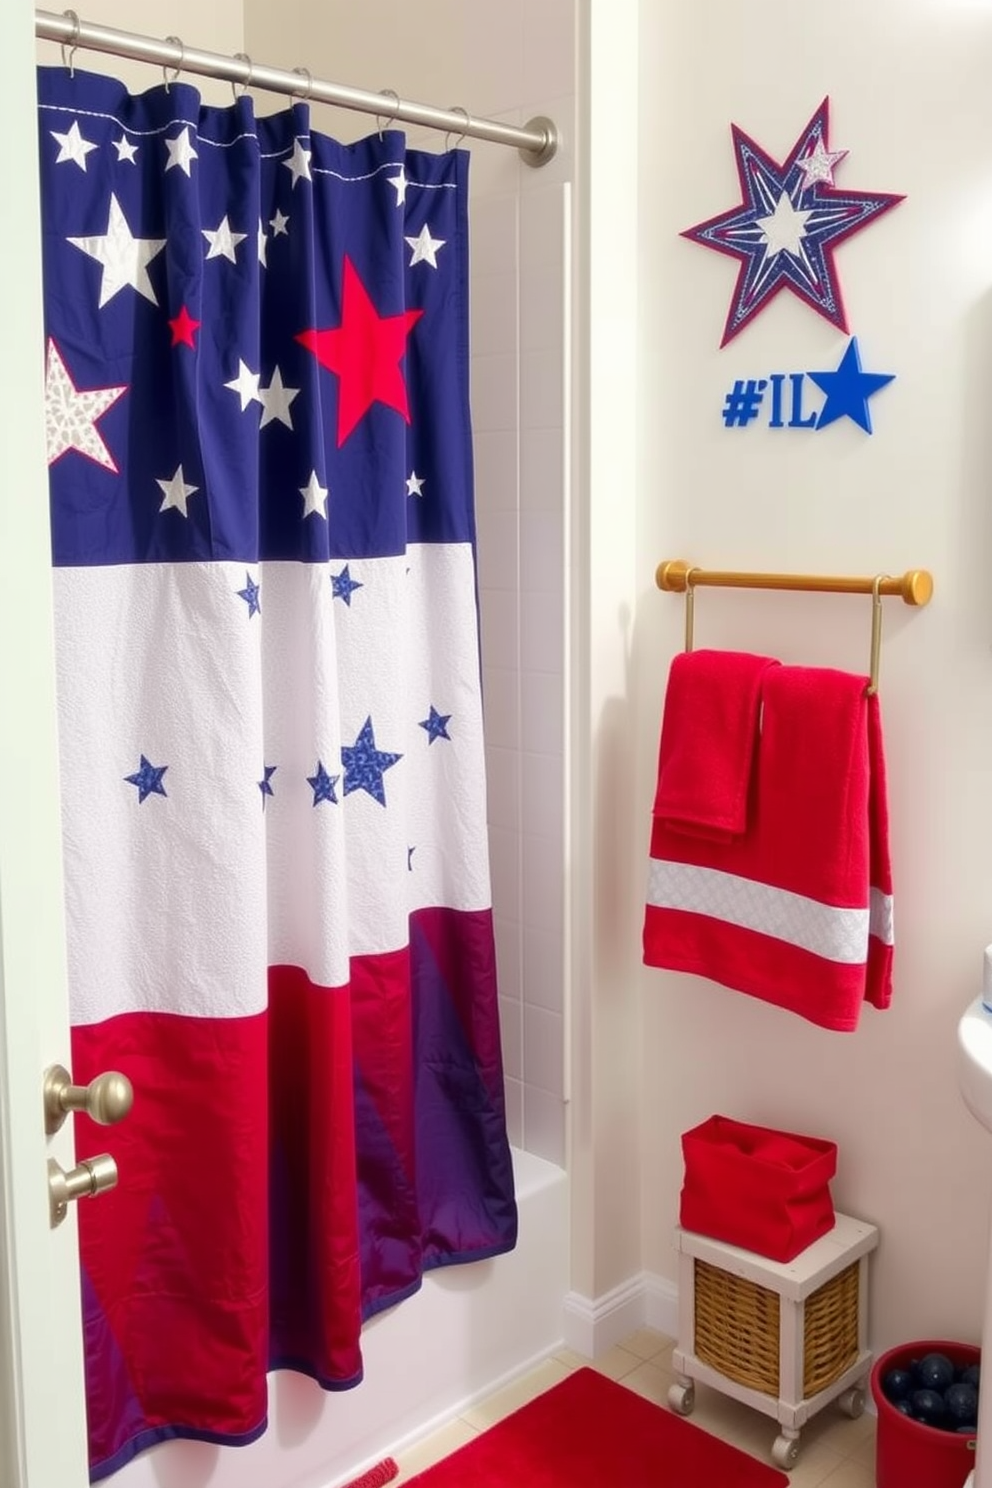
[{"x": 765, "y": 1190}]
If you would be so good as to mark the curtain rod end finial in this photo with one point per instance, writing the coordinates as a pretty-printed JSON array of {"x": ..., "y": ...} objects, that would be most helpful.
[{"x": 672, "y": 575}]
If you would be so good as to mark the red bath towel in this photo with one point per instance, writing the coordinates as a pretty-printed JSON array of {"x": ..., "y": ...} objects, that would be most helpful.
[
  {"x": 709, "y": 733},
  {"x": 798, "y": 909}
]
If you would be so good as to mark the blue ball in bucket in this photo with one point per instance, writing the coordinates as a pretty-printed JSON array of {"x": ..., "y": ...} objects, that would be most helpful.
[
  {"x": 898, "y": 1384},
  {"x": 961, "y": 1406},
  {"x": 928, "y": 1407},
  {"x": 935, "y": 1372}
]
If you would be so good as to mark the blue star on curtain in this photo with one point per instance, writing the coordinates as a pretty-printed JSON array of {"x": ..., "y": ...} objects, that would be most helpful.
[
  {"x": 436, "y": 725},
  {"x": 148, "y": 779},
  {"x": 323, "y": 785},
  {"x": 365, "y": 765}
]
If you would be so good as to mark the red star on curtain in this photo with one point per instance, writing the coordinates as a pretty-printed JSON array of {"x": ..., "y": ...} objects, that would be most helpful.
[
  {"x": 365, "y": 351},
  {"x": 184, "y": 328}
]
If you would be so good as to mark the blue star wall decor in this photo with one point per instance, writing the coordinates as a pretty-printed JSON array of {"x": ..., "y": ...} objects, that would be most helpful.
[
  {"x": 848, "y": 389},
  {"x": 790, "y": 220}
]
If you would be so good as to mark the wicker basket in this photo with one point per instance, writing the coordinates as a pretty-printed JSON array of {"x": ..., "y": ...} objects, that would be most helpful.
[{"x": 737, "y": 1329}]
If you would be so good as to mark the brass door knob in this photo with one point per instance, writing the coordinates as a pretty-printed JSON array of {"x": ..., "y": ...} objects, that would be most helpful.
[
  {"x": 92, "y": 1176},
  {"x": 106, "y": 1100}
]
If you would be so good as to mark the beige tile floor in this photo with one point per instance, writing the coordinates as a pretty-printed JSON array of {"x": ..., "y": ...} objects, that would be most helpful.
[{"x": 836, "y": 1452}]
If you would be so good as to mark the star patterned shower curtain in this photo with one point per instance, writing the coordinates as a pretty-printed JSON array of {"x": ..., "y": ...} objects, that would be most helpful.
[{"x": 277, "y": 896}]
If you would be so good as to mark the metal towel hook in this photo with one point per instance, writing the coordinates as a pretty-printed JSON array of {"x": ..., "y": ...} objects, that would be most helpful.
[
  {"x": 72, "y": 43},
  {"x": 876, "y": 633},
  {"x": 690, "y": 607},
  {"x": 176, "y": 70}
]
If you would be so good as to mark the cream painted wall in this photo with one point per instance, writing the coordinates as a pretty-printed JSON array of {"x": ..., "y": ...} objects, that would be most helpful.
[{"x": 908, "y": 84}]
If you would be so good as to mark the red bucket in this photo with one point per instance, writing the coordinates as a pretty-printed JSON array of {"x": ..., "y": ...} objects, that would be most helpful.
[{"x": 907, "y": 1452}]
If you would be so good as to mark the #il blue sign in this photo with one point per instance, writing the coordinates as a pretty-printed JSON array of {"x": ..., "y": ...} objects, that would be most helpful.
[{"x": 780, "y": 396}]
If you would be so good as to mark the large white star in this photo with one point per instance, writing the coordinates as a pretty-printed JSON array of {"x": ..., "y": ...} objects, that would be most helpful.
[
  {"x": 299, "y": 163},
  {"x": 245, "y": 385},
  {"x": 125, "y": 150},
  {"x": 278, "y": 224},
  {"x": 314, "y": 495},
  {"x": 415, "y": 484},
  {"x": 785, "y": 229},
  {"x": 425, "y": 248},
  {"x": 400, "y": 183},
  {"x": 71, "y": 415},
  {"x": 819, "y": 165},
  {"x": 176, "y": 493},
  {"x": 72, "y": 146},
  {"x": 125, "y": 258},
  {"x": 181, "y": 151},
  {"x": 275, "y": 401},
  {"x": 223, "y": 241}
]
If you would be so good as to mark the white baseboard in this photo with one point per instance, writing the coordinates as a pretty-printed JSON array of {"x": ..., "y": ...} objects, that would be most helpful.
[{"x": 594, "y": 1325}]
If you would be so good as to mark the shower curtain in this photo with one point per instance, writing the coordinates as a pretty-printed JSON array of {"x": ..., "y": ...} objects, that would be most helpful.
[{"x": 277, "y": 895}]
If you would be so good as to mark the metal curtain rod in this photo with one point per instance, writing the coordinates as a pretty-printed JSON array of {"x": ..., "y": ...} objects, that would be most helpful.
[
  {"x": 537, "y": 141},
  {"x": 915, "y": 587}
]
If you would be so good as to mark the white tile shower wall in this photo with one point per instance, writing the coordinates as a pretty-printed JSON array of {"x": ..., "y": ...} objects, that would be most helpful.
[{"x": 521, "y": 499}]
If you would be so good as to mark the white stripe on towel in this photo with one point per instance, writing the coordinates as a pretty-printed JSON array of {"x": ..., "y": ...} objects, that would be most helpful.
[
  {"x": 824, "y": 929},
  {"x": 881, "y": 917}
]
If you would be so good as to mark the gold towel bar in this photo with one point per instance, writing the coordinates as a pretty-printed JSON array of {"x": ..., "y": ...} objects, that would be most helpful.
[{"x": 915, "y": 587}]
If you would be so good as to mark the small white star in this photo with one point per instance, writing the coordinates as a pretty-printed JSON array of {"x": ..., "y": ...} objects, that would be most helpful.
[
  {"x": 819, "y": 165},
  {"x": 71, "y": 415},
  {"x": 425, "y": 248},
  {"x": 176, "y": 493},
  {"x": 263, "y": 244},
  {"x": 275, "y": 401},
  {"x": 223, "y": 241},
  {"x": 785, "y": 229},
  {"x": 125, "y": 149},
  {"x": 245, "y": 385},
  {"x": 278, "y": 224},
  {"x": 181, "y": 151},
  {"x": 400, "y": 183},
  {"x": 314, "y": 495},
  {"x": 415, "y": 484},
  {"x": 72, "y": 146},
  {"x": 299, "y": 163},
  {"x": 125, "y": 259}
]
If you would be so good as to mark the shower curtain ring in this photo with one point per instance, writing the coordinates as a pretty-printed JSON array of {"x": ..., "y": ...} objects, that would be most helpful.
[
  {"x": 456, "y": 108},
  {"x": 72, "y": 43},
  {"x": 304, "y": 72},
  {"x": 242, "y": 57},
  {"x": 387, "y": 93},
  {"x": 176, "y": 70}
]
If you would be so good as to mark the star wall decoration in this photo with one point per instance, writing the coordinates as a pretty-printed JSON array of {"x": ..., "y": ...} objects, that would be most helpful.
[
  {"x": 788, "y": 225},
  {"x": 848, "y": 389}
]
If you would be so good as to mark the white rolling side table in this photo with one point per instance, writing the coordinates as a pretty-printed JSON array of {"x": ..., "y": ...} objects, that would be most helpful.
[{"x": 803, "y": 1378}]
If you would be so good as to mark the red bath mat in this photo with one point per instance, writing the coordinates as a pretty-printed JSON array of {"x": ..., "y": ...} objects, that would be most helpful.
[{"x": 589, "y": 1432}]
